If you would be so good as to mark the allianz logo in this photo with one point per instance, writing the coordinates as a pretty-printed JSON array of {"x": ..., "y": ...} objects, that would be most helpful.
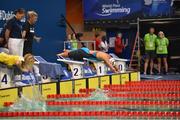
[
  {"x": 6, "y": 15},
  {"x": 110, "y": 9}
]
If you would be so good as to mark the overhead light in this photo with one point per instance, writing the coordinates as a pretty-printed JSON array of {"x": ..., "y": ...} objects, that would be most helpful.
[{"x": 161, "y": 22}]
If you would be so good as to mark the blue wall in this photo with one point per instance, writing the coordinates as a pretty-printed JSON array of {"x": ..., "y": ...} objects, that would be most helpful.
[{"x": 47, "y": 26}]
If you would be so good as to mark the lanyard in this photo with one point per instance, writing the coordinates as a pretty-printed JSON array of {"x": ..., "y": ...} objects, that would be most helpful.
[
  {"x": 151, "y": 38},
  {"x": 161, "y": 41}
]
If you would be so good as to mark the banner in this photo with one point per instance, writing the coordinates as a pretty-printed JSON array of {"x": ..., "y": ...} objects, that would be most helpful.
[
  {"x": 125, "y": 9},
  {"x": 110, "y": 9},
  {"x": 157, "y": 8},
  {"x": 47, "y": 27}
]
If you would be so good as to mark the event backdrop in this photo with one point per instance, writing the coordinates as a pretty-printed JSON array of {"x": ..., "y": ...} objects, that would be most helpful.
[
  {"x": 47, "y": 26},
  {"x": 126, "y": 9}
]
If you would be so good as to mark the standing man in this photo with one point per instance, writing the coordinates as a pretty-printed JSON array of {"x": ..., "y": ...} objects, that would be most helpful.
[
  {"x": 28, "y": 32},
  {"x": 149, "y": 42},
  {"x": 13, "y": 33}
]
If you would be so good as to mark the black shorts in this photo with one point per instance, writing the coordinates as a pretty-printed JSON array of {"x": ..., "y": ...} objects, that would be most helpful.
[
  {"x": 27, "y": 47},
  {"x": 150, "y": 54},
  {"x": 162, "y": 55},
  {"x": 79, "y": 54}
]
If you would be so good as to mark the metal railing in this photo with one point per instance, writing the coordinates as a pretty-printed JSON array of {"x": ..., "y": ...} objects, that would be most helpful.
[{"x": 89, "y": 44}]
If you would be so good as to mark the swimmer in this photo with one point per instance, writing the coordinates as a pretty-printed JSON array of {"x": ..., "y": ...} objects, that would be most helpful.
[
  {"x": 25, "y": 63},
  {"x": 81, "y": 53}
]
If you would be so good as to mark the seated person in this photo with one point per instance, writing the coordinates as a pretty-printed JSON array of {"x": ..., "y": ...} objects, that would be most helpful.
[
  {"x": 81, "y": 53},
  {"x": 24, "y": 64}
]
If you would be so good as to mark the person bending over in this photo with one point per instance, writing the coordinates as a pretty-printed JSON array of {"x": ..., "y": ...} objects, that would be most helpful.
[
  {"x": 81, "y": 53},
  {"x": 25, "y": 63}
]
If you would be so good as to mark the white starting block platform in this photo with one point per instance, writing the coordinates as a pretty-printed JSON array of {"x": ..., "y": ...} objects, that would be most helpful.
[{"x": 39, "y": 59}]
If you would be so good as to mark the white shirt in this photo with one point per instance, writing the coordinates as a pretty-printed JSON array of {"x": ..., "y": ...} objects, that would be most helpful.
[{"x": 104, "y": 46}]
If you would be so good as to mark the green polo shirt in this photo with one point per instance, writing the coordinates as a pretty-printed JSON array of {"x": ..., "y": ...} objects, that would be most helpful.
[
  {"x": 150, "y": 41},
  {"x": 162, "y": 44},
  {"x": 74, "y": 44}
]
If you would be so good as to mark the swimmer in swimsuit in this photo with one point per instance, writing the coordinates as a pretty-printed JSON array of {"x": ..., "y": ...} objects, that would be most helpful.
[
  {"x": 25, "y": 63},
  {"x": 81, "y": 53}
]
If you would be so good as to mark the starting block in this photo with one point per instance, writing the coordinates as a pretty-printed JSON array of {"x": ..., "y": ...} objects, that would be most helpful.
[
  {"x": 121, "y": 63},
  {"x": 101, "y": 68},
  {"x": 76, "y": 67},
  {"x": 6, "y": 75},
  {"x": 45, "y": 76}
]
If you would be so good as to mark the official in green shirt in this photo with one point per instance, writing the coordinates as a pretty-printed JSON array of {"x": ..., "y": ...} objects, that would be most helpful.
[
  {"x": 150, "y": 47},
  {"x": 162, "y": 44},
  {"x": 74, "y": 43}
]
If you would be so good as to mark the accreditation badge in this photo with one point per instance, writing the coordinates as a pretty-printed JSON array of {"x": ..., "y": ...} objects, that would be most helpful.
[
  {"x": 150, "y": 44},
  {"x": 160, "y": 48},
  {"x": 32, "y": 30}
]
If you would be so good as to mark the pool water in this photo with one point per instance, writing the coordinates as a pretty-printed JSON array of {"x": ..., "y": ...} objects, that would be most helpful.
[{"x": 114, "y": 102}]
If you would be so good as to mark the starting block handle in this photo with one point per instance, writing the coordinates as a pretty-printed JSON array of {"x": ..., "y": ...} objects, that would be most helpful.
[
  {"x": 70, "y": 61},
  {"x": 123, "y": 60},
  {"x": 117, "y": 58},
  {"x": 92, "y": 60}
]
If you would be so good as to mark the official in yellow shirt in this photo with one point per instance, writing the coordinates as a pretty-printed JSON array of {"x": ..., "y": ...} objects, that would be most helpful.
[
  {"x": 149, "y": 42},
  {"x": 162, "y": 44}
]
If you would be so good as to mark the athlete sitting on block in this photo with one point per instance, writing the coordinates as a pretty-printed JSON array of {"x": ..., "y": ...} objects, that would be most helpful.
[
  {"x": 81, "y": 53},
  {"x": 24, "y": 64}
]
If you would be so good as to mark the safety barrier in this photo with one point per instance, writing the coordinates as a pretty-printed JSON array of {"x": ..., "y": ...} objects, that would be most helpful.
[
  {"x": 135, "y": 95},
  {"x": 100, "y": 114}
]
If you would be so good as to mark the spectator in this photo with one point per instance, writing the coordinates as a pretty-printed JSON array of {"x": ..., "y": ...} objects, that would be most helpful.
[
  {"x": 162, "y": 52},
  {"x": 97, "y": 41},
  {"x": 79, "y": 37},
  {"x": 104, "y": 45},
  {"x": 68, "y": 44},
  {"x": 29, "y": 32},
  {"x": 74, "y": 43},
  {"x": 119, "y": 46},
  {"x": 149, "y": 42},
  {"x": 13, "y": 32}
]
